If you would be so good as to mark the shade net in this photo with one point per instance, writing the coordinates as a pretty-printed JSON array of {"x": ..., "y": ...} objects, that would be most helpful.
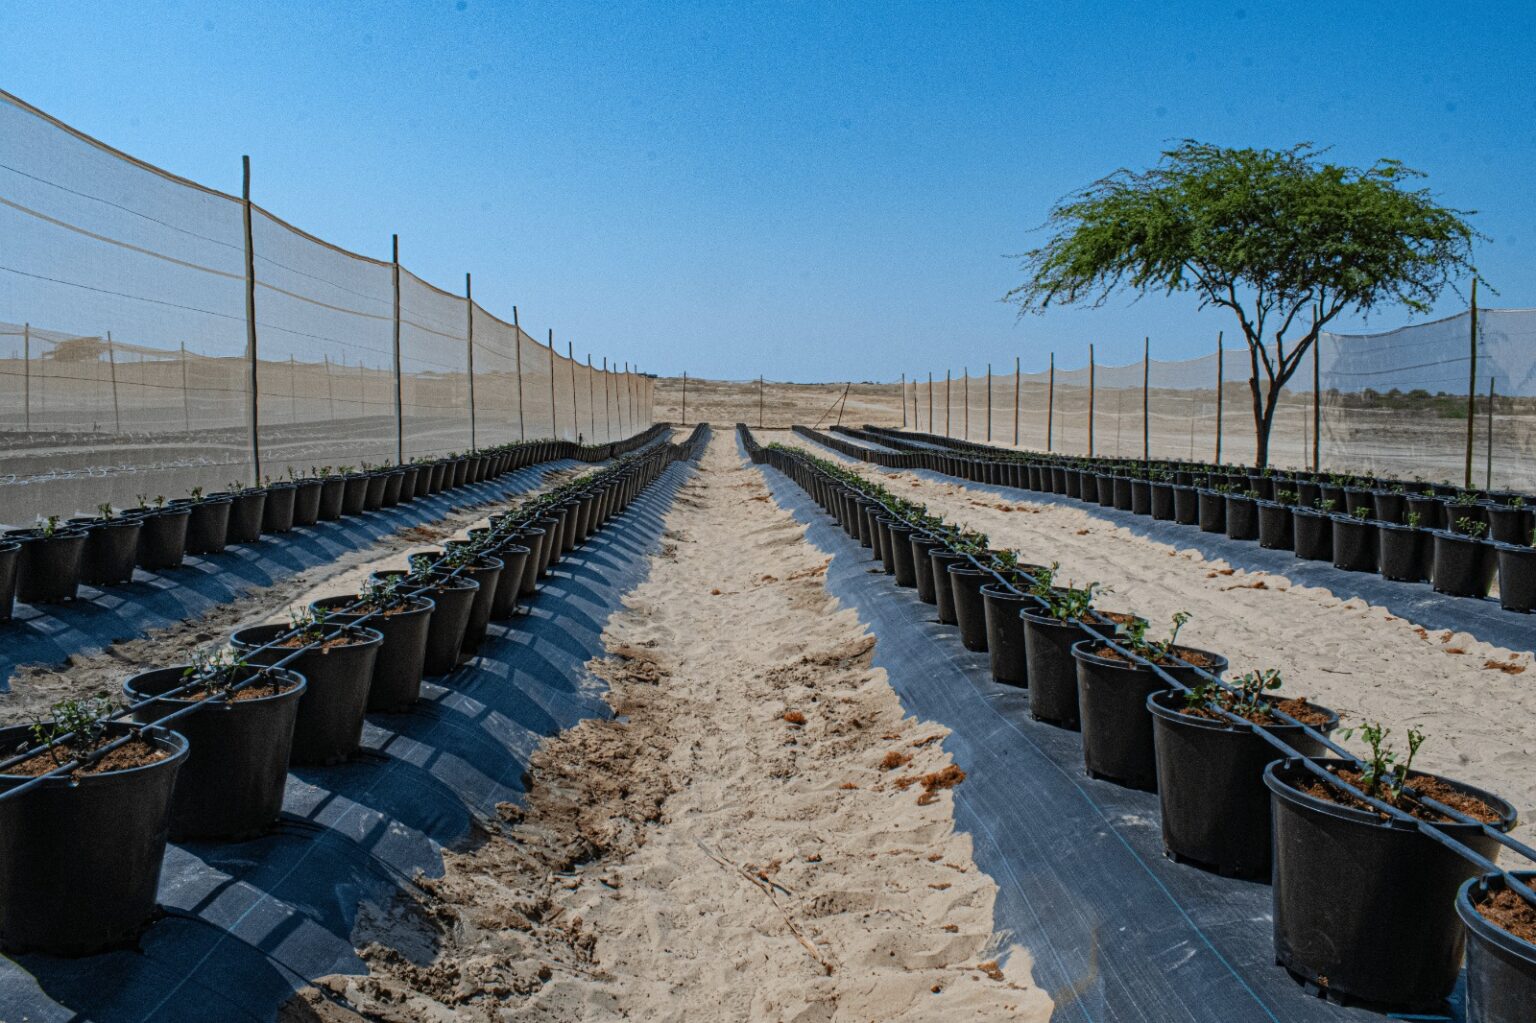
[
  {"x": 326, "y": 377},
  {"x": 122, "y": 327},
  {"x": 126, "y": 367}
]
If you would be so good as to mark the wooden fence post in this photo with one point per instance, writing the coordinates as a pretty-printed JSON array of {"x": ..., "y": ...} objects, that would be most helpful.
[
  {"x": 1471, "y": 384},
  {"x": 1146, "y": 395},
  {"x": 1050, "y": 406},
  {"x": 1092, "y": 372},
  {"x": 517, "y": 330},
  {"x": 1015, "y": 401},
  {"x": 469, "y": 344},
  {"x": 250, "y": 318}
]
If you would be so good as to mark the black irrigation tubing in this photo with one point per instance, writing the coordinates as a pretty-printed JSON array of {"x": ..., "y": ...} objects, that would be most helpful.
[
  {"x": 688, "y": 450},
  {"x": 1426, "y": 828}
]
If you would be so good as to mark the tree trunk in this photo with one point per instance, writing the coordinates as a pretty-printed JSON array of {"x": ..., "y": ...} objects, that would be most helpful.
[{"x": 1264, "y": 407}]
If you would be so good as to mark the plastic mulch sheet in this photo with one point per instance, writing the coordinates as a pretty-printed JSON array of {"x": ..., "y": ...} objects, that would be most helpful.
[
  {"x": 1116, "y": 932},
  {"x": 248, "y": 923}
]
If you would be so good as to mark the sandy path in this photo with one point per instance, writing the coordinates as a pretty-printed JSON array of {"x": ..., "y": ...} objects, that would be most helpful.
[
  {"x": 35, "y": 687},
  {"x": 729, "y": 848},
  {"x": 1476, "y": 701}
]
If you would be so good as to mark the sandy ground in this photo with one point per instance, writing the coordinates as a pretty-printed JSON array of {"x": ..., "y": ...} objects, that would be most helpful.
[
  {"x": 35, "y": 687},
  {"x": 728, "y": 402},
  {"x": 751, "y": 838},
  {"x": 1477, "y": 702}
]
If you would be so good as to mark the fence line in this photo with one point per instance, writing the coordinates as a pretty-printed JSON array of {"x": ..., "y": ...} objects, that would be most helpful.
[
  {"x": 1453, "y": 400},
  {"x": 158, "y": 334}
]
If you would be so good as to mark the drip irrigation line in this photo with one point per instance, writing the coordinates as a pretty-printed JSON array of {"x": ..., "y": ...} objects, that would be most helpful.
[{"x": 1427, "y": 828}]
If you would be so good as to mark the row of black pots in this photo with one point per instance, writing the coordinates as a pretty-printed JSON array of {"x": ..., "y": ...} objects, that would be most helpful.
[
  {"x": 37, "y": 567},
  {"x": 65, "y": 890},
  {"x": 1227, "y": 802}
]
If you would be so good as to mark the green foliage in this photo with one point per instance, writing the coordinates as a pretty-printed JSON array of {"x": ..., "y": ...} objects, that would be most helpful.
[
  {"x": 1471, "y": 527},
  {"x": 1361, "y": 513},
  {"x": 1135, "y": 637},
  {"x": 1386, "y": 771},
  {"x": 1414, "y": 520},
  {"x": 104, "y": 511},
  {"x": 308, "y": 625},
  {"x": 1245, "y": 697},
  {"x": 49, "y": 526},
  {"x": 214, "y": 672},
  {"x": 74, "y": 724}
]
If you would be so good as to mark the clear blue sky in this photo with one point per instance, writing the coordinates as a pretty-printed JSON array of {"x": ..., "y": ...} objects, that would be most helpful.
[{"x": 808, "y": 190}]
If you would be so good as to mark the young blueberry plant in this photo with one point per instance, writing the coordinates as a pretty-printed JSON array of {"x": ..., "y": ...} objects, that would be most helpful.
[
  {"x": 1386, "y": 771},
  {"x": 1245, "y": 697},
  {"x": 78, "y": 725}
]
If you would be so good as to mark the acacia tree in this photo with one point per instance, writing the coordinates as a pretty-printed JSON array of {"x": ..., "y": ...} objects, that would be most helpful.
[{"x": 1283, "y": 239}]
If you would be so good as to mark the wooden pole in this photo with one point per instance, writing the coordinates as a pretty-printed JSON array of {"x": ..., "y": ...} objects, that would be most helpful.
[
  {"x": 399, "y": 372},
  {"x": 554, "y": 405},
  {"x": 685, "y": 397},
  {"x": 1220, "y": 374},
  {"x": 629, "y": 395},
  {"x": 947, "y": 412},
  {"x": 930, "y": 401},
  {"x": 903, "y": 401},
  {"x": 989, "y": 403},
  {"x": 1146, "y": 396},
  {"x": 1317, "y": 407},
  {"x": 26, "y": 371},
  {"x": 469, "y": 347},
  {"x": 517, "y": 331},
  {"x": 1050, "y": 406},
  {"x": 592, "y": 396},
  {"x": 186, "y": 401},
  {"x": 1092, "y": 373},
  {"x": 844, "y": 403},
  {"x": 570, "y": 355},
  {"x": 1015, "y": 401},
  {"x": 759, "y": 401},
  {"x": 965, "y": 390},
  {"x": 117, "y": 415},
  {"x": 293, "y": 389},
  {"x": 250, "y": 318},
  {"x": 1488, "y": 472},
  {"x": 607, "y": 408},
  {"x": 1471, "y": 384},
  {"x": 330, "y": 394}
]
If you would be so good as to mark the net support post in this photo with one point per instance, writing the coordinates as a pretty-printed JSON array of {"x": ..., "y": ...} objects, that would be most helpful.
[{"x": 250, "y": 320}]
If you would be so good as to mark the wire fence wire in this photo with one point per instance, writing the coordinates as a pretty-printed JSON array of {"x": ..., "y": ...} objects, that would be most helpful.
[
  {"x": 1394, "y": 403},
  {"x": 129, "y": 363}
]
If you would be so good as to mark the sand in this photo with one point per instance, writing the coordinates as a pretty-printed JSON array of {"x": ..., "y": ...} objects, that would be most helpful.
[
  {"x": 1476, "y": 701},
  {"x": 728, "y": 402},
  {"x": 750, "y": 839}
]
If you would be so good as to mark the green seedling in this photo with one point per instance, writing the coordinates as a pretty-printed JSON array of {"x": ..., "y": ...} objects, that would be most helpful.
[
  {"x": 213, "y": 672},
  {"x": 1361, "y": 514},
  {"x": 1465, "y": 499},
  {"x": 1135, "y": 637},
  {"x": 1414, "y": 520},
  {"x": 1386, "y": 771},
  {"x": 1471, "y": 527},
  {"x": 77, "y": 725},
  {"x": 196, "y": 493},
  {"x": 49, "y": 526},
  {"x": 104, "y": 511},
  {"x": 1285, "y": 496},
  {"x": 1326, "y": 505},
  {"x": 1248, "y": 699},
  {"x": 308, "y": 625}
]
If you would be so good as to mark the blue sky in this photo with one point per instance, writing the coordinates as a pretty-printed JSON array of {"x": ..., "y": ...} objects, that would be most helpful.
[{"x": 807, "y": 190}]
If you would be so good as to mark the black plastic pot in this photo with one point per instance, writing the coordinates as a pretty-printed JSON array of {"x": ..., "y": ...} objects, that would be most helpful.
[
  {"x": 329, "y": 727},
  {"x": 1366, "y": 907},
  {"x": 354, "y": 495},
  {"x": 163, "y": 539},
  {"x": 1389, "y": 507},
  {"x": 80, "y": 860},
  {"x": 231, "y": 785},
  {"x": 1456, "y": 514},
  {"x": 514, "y": 558},
  {"x": 1275, "y": 526},
  {"x": 966, "y": 582},
  {"x": 485, "y": 571},
  {"x": 306, "y": 502},
  {"x": 1186, "y": 505},
  {"x": 245, "y": 512},
  {"x": 534, "y": 538},
  {"x": 207, "y": 525},
  {"x": 1123, "y": 494},
  {"x": 1005, "y": 633},
  {"x": 1517, "y": 577},
  {"x": 1312, "y": 533},
  {"x": 10, "y": 555},
  {"x": 1106, "y": 484},
  {"x": 1359, "y": 497},
  {"x": 1141, "y": 497},
  {"x": 333, "y": 493},
  {"x": 901, "y": 554},
  {"x": 277, "y": 513},
  {"x": 1050, "y": 668},
  {"x": 1112, "y": 703},
  {"x": 1355, "y": 545},
  {"x": 48, "y": 567},
  {"x": 883, "y": 546},
  {"x": 1509, "y": 525},
  {"x": 373, "y": 496},
  {"x": 922, "y": 564},
  {"x": 1210, "y": 784},
  {"x": 393, "y": 482},
  {"x": 1501, "y": 968},
  {"x": 398, "y": 668},
  {"x": 1242, "y": 517},
  {"x": 1429, "y": 509},
  {"x": 1401, "y": 553},
  {"x": 1162, "y": 501},
  {"x": 454, "y": 598},
  {"x": 1464, "y": 567},
  {"x": 111, "y": 549},
  {"x": 1213, "y": 511},
  {"x": 943, "y": 590}
]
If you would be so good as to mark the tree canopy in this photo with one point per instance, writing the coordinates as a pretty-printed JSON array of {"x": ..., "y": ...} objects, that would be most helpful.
[{"x": 1282, "y": 238}]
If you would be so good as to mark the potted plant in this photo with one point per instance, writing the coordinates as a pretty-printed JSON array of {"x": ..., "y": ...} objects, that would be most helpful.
[
  {"x": 1275, "y": 520},
  {"x": 1404, "y": 552},
  {"x": 452, "y": 596},
  {"x": 1112, "y": 691},
  {"x": 207, "y": 521},
  {"x": 111, "y": 546},
  {"x": 1517, "y": 575},
  {"x": 1354, "y": 541},
  {"x": 966, "y": 581},
  {"x": 1390, "y": 504},
  {"x": 1210, "y": 769},
  {"x": 337, "y": 662},
  {"x": 333, "y": 492},
  {"x": 1050, "y": 631},
  {"x": 1465, "y": 563},
  {"x": 403, "y": 619},
  {"x": 465, "y": 560},
  {"x": 246, "y": 508},
  {"x": 240, "y": 736},
  {"x": 1509, "y": 523},
  {"x": 48, "y": 569},
  {"x": 163, "y": 539},
  {"x": 1364, "y": 903},
  {"x": 1501, "y": 948},
  {"x": 1212, "y": 505},
  {"x": 1242, "y": 515},
  {"x": 10, "y": 554},
  {"x": 307, "y": 492},
  {"x": 278, "y": 511},
  {"x": 1000, "y": 608},
  {"x": 1312, "y": 531},
  {"x": 80, "y": 851}
]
